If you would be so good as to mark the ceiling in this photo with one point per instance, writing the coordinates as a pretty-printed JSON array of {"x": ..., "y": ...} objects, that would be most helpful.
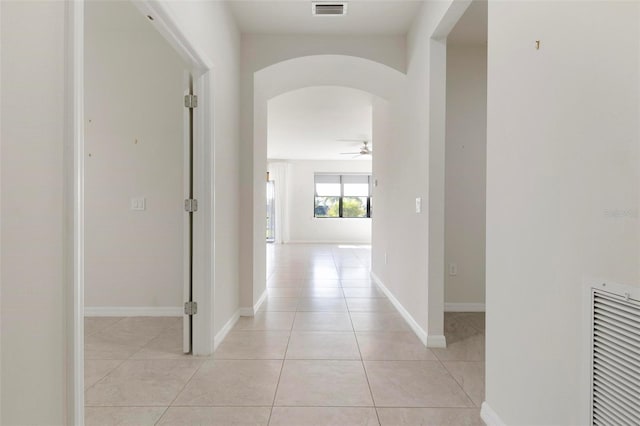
[
  {"x": 364, "y": 17},
  {"x": 305, "y": 124},
  {"x": 471, "y": 29}
]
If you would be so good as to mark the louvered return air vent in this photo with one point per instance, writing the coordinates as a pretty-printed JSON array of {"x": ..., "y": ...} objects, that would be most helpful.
[
  {"x": 329, "y": 9},
  {"x": 615, "y": 373}
]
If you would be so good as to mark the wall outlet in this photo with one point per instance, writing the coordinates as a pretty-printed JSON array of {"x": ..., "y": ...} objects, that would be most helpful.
[
  {"x": 453, "y": 269},
  {"x": 386, "y": 258},
  {"x": 138, "y": 203},
  {"x": 418, "y": 205}
]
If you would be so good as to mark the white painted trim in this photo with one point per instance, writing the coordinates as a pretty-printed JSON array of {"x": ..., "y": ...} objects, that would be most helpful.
[
  {"x": 434, "y": 341},
  {"x": 245, "y": 312},
  {"x": 186, "y": 237},
  {"x": 419, "y": 331},
  {"x": 437, "y": 70},
  {"x": 203, "y": 223},
  {"x": 72, "y": 407},
  {"x": 133, "y": 311},
  {"x": 464, "y": 307},
  {"x": 353, "y": 243},
  {"x": 490, "y": 417},
  {"x": 450, "y": 19},
  {"x": 73, "y": 169},
  {"x": 174, "y": 34},
  {"x": 204, "y": 185},
  {"x": 250, "y": 312},
  {"x": 260, "y": 301},
  {"x": 220, "y": 335}
]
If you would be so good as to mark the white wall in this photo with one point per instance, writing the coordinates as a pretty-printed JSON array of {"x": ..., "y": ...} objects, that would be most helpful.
[
  {"x": 212, "y": 29},
  {"x": 301, "y": 225},
  {"x": 465, "y": 174},
  {"x": 134, "y": 142},
  {"x": 258, "y": 53},
  {"x": 403, "y": 170},
  {"x": 562, "y": 158},
  {"x": 33, "y": 304},
  {"x": 405, "y": 165}
]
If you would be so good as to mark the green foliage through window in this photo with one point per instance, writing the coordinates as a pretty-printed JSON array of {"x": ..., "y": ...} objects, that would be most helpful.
[{"x": 347, "y": 196}]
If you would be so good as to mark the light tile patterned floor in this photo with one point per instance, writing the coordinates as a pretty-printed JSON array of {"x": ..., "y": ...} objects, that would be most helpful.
[{"x": 326, "y": 348}]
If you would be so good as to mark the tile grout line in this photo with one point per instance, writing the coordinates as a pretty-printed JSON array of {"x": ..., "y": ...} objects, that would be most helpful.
[
  {"x": 181, "y": 390},
  {"x": 122, "y": 360},
  {"x": 366, "y": 376},
  {"x": 442, "y": 363},
  {"x": 275, "y": 393},
  {"x": 130, "y": 358},
  {"x": 458, "y": 382},
  {"x": 321, "y": 314},
  {"x": 284, "y": 357}
]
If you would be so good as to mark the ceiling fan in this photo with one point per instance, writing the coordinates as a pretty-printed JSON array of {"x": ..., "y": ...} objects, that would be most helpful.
[{"x": 364, "y": 149}]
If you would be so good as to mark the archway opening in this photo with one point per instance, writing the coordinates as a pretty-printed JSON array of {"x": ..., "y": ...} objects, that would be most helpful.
[{"x": 385, "y": 85}]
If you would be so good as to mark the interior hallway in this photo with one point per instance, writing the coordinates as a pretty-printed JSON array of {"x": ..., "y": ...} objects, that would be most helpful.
[{"x": 326, "y": 348}]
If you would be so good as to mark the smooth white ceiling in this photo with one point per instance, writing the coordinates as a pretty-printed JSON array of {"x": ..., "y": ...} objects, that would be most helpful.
[
  {"x": 306, "y": 124},
  {"x": 382, "y": 17},
  {"x": 471, "y": 29}
]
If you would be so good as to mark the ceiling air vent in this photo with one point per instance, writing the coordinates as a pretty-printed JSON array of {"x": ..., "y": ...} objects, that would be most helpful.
[{"x": 329, "y": 9}]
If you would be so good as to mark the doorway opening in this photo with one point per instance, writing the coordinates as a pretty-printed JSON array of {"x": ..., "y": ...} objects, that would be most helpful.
[
  {"x": 138, "y": 172},
  {"x": 319, "y": 157},
  {"x": 271, "y": 210},
  {"x": 465, "y": 162},
  {"x": 459, "y": 72},
  {"x": 114, "y": 186},
  {"x": 316, "y": 161}
]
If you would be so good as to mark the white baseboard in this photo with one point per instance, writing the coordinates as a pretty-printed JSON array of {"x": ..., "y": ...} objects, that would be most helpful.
[
  {"x": 489, "y": 417},
  {"x": 133, "y": 311},
  {"x": 436, "y": 341},
  {"x": 260, "y": 301},
  {"x": 352, "y": 243},
  {"x": 245, "y": 312},
  {"x": 464, "y": 307},
  {"x": 420, "y": 332},
  {"x": 220, "y": 335},
  {"x": 250, "y": 312}
]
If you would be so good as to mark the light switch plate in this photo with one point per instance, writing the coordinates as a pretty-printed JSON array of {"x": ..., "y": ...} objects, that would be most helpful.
[
  {"x": 138, "y": 203},
  {"x": 453, "y": 269},
  {"x": 418, "y": 205}
]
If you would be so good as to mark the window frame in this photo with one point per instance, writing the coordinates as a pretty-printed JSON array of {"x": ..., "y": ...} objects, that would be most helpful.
[{"x": 342, "y": 196}]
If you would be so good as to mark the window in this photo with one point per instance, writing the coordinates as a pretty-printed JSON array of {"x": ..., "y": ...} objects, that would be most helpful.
[{"x": 346, "y": 196}]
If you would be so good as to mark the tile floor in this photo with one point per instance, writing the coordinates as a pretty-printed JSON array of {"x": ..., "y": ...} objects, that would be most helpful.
[{"x": 326, "y": 348}]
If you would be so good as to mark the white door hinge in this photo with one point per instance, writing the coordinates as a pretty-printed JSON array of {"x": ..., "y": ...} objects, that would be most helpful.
[
  {"x": 191, "y": 205},
  {"x": 190, "y": 308},
  {"x": 190, "y": 101}
]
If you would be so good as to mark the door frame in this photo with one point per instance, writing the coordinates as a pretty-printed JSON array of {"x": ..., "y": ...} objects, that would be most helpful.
[
  {"x": 437, "y": 138},
  {"x": 74, "y": 180}
]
